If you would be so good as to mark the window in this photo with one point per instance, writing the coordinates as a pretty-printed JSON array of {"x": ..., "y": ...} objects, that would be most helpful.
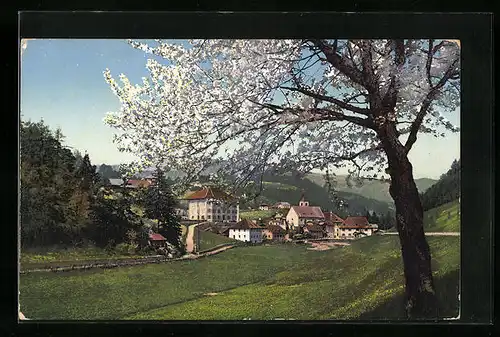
[{"x": 209, "y": 216}]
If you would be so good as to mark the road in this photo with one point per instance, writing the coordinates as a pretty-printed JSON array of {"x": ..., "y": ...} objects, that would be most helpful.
[
  {"x": 190, "y": 238},
  {"x": 430, "y": 233}
]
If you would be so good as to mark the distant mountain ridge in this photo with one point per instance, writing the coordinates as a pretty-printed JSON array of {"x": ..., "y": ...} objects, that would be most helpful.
[{"x": 372, "y": 189}]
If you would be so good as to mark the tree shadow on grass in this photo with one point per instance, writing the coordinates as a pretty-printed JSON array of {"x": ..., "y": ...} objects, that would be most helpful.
[{"x": 447, "y": 290}]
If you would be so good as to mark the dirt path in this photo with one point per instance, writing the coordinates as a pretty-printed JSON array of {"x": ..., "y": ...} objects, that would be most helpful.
[{"x": 190, "y": 239}]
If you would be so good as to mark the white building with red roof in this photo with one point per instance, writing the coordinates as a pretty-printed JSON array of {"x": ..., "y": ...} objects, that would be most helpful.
[
  {"x": 212, "y": 204},
  {"x": 355, "y": 226},
  {"x": 301, "y": 214},
  {"x": 246, "y": 231}
]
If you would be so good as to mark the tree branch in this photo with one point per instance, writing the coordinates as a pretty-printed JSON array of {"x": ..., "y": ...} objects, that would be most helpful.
[
  {"x": 339, "y": 62},
  {"x": 330, "y": 99},
  {"x": 417, "y": 123}
]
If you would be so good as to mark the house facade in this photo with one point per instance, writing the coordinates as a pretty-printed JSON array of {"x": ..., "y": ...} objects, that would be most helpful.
[
  {"x": 274, "y": 233},
  {"x": 314, "y": 230},
  {"x": 246, "y": 231},
  {"x": 264, "y": 207},
  {"x": 331, "y": 225},
  {"x": 212, "y": 204},
  {"x": 356, "y": 226},
  {"x": 299, "y": 215}
]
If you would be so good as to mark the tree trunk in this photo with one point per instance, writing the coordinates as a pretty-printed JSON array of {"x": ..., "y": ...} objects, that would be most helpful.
[{"x": 421, "y": 302}]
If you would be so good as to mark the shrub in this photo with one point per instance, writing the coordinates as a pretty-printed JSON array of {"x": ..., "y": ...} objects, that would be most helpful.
[{"x": 125, "y": 248}]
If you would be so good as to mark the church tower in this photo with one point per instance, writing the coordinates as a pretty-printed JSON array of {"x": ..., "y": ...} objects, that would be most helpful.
[{"x": 303, "y": 201}]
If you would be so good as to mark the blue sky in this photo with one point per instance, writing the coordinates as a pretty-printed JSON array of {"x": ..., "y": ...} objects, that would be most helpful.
[{"x": 62, "y": 82}]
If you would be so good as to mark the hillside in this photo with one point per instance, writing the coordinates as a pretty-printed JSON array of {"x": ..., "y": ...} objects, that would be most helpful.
[
  {"x": 371, "y": 189},
  {"x": 289, "y": 188},
  {"x": 445, "y": 190},
  {"x": 445, "y": 218}
]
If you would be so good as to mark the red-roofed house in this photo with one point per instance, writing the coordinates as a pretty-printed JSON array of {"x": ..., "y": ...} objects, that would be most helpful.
[
  {"x": 275, "y": 233},
  {"x": 156, "y": 240},
  {"x": 212, "y": 204},
  {"x": 355, "y": 226},
  {"x": 246, "y": 231},
  {"x": 331, "y": 224},
  {"x": 301, "y": 214}
]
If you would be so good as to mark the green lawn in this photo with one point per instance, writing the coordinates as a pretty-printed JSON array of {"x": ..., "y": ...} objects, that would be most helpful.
[
  {"x": 33, "y": 258},
  {"x": 257, "y": 214},
  {"x": 209, "y": 240},
  {"x": 260, "y": 282}
]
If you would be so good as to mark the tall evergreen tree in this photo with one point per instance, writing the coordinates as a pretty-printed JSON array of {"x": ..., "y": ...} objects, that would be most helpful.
[{"x": 160, "y": 204}]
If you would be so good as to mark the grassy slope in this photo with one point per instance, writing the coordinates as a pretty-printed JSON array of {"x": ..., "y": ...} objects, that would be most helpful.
[
  {"x": 445, "y": 218},
  {"x": 209, "y": 240},
  {"x": 256, "y": 214},
  {"x": 261, "y": 282}
]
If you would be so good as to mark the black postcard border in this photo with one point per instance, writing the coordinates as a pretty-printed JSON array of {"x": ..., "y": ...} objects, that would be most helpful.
[{"x": 474, "y": 30}]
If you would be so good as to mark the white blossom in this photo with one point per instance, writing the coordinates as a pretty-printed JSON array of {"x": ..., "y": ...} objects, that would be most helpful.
[{"x": 240, "y": 100}]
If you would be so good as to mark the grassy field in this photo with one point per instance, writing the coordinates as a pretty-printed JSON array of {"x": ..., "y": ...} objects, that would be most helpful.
[
  {"x": 445, "y": 218},
  {"x": 33, "y": 258},
  {"x": 363, "y": 280},
  {"x": 209, "y": 240},
  {"x": 257, "y": 214}
]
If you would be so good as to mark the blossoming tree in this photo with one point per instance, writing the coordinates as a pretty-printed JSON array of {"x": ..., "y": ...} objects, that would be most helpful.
[{"x": 301, "y": 104}]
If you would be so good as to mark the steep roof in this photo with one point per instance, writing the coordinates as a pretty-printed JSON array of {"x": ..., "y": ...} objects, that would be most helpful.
[
  {"x": 356, "y": 221},
  {"x": 244, "y": 224},
  {"x": 208, "y": 193},
  {"x": 275, "y": 229},
  {"x": 156, "y": 237},
  {"x": 308, "y": 212},
  {"x": 332, "y": 217},
  {"x": 314, "y": 228}
]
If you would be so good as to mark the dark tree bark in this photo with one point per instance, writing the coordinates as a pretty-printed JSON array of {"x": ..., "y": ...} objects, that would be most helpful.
[{"x": 421, "y": 302}]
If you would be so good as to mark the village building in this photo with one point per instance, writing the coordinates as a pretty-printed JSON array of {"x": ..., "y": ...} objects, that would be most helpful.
[
  {"x": 299, "y": 215},
  {"x": 356, "y": 226},
  {"x": 314, "y": 230},
  {"x": 212, "y": 204},
  {"x": 264, "y": 207},
  {"x": 331, "y": 225},
  {"x": 274, "y": 233},
  {"x": 246, "y": 231},
  {"x": 156, "y": 240},
  {"x": 282, "y": 204}
]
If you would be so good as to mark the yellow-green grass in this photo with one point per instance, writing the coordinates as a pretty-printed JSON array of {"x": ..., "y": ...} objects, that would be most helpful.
[
  {"x": 364, "y": 280},
  {"x": 209, "y": 240},
  {"x": 257, "y": 214},
  {"x": 46, "y": 257},
  {"x": 445, "y": 218}
]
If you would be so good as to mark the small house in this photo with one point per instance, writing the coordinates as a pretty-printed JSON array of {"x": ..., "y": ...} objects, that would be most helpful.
[
  {"x": 274, "y": 233},
  {"x": 246, "y": 231},
  {"x": 314, "y": 230},
  {"x": 157, "y": 240}
]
